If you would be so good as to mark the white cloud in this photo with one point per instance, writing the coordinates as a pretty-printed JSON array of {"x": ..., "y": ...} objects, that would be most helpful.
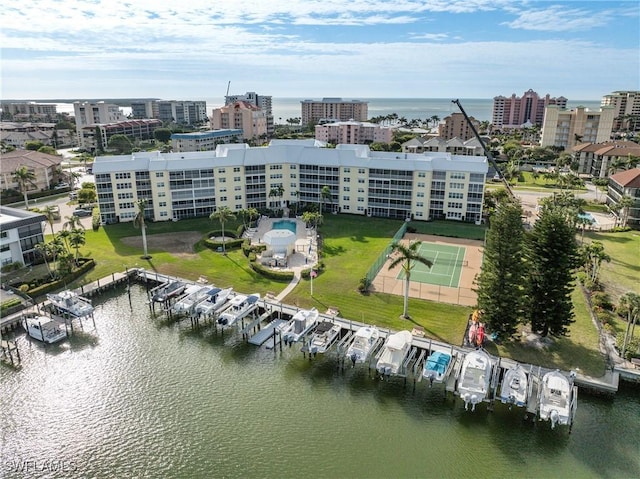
[{"x": 559, "y": 19}]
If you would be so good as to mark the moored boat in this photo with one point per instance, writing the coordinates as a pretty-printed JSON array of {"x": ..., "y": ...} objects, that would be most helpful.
[
  {"x": 239, "y": 307},
  {"x": 170, "y": 290},
  {"x": 323, "y": 337},
  {"x": 437, "y": 367},
  {"x": 69, "y": 302},
  {"x": 475, "y": 378},
  {"x": 364, "y": 340},
  {"x": 300, "y": 324},
  {"x": 394, "y": 352},
  {"x": 193, "y": 296},
  {"x": 216, "y": 300},
  {"x": 44, "y": 329},
  {"x": 515, "y": 387},
  {"x": 557, "y": 399}
]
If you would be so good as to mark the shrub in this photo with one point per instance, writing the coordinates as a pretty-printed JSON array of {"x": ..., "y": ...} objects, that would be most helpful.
[
  {"x": 284, "y": 276},
  {"x": 602, "y": 300},
  {"x": 633, "y": 346},
  {"x": 11, "y": 267}
]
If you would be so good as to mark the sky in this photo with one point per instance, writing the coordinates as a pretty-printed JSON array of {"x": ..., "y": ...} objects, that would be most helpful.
[{"x": 192, "y": 49}]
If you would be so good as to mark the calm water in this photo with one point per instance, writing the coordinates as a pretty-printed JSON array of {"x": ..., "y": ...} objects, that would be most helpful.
[
  {"x": 139, "y": 398},
  {"x": 410, "y": 108}
]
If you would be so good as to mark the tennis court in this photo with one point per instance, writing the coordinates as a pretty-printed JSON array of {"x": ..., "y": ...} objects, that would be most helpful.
[{"x": 448, "y": 261}]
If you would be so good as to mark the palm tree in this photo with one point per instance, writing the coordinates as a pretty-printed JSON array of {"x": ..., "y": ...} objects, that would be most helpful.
[
  {"x": 325, "y": 194},
  {"x": 252, "y": 213},
  {"x": 24, "y": 177},
  {"x": 630, "y": 304},
  {"x": 222, "y": 214},
  {"x": 50, "y": 212},
  {"x": 72, "y": 222},
  {"x": 624, "y": 205},
  {"x": 44, "y": 249},
  {"x": 76, "y": 240},
  {"x": 138, "y": 222},
  {"x": 409, "y": 257}
]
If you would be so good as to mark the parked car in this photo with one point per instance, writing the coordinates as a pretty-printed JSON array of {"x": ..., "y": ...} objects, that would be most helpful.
[
  {"x": 81, "y": 212},
  {"x": 61, "y": 186},
  {"x": 73, "y": 195}
]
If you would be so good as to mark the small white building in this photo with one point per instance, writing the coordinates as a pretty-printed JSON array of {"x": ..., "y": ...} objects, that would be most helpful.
[{"x": 20, "y": 232}]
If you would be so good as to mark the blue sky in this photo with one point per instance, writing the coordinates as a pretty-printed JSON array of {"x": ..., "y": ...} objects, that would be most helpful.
[{"x": 191, "y": 49}]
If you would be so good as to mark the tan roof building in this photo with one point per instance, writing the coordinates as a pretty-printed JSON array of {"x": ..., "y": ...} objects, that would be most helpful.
[
  {"x": 601, "y": 159},
  {"x": 46, "y": 169},
  {"x": 625, "y": 183},
  {"x": 241, "y": 115}
]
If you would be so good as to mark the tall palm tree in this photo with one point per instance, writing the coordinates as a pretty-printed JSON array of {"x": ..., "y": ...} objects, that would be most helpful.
[
  {"x": 629, "y": 303},
  {"x": 24, "y": 177},
  {"x": 138, "y": 222},
  {"x": 252, "y": 213},
  {"x": 624, "y": 205},
  {"x": 325, "y": 195},
  {"x": 51, "y": 212},
  {"x": 76, "y": 240},
  {"x": 72, "y": 223},
  {"x": 408, "y": 257},
  {"x": 222, "y": 214}
]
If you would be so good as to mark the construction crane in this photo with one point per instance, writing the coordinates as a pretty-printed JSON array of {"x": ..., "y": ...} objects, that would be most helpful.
[
  {"x": 227, "y": 95},
  {"x": 487, "y": 152}
]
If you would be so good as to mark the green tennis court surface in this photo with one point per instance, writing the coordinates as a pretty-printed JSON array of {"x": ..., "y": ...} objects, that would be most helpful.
[{"x": 447, "y": 265}]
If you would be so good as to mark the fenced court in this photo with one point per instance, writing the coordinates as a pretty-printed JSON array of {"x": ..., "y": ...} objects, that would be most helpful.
[{"x": 450, "y": 280}]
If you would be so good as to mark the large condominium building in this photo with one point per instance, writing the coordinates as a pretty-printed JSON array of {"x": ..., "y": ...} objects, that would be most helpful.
[
  {"x": 90, "y": 114},
  {"x": 364, "y": 182},
  {"x": 626, "y": 106},
  {"x": 456, "y": 126},
  {"x": 335, "y": 109},
  {"x": 97, "y": 137},
  {"x": 204, "y": 140},
  {"x": 241, "y": 116},
  {"x": 353, "y": 133},
  {"x": 26, "y": 111},
  {"x": 626, "y": 183},
  {"x": 567, "y": 128},
  {"x": 513, "y": 111},
  {"x": 261, "y": 101},
  {"x": 171, "y": 111},
  {"x": 604, "y": 159},
  {"x": 20, "y": 232}
]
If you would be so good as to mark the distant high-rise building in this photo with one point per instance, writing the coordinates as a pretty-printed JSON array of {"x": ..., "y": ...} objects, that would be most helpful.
[
  {"x": 241, "y": 116},
  {"x": 513, "y": 111},
  {"x": 171, "y": 111},
  {"x": 333, "y": 109},
  {"x": 353, "y": 133},
  {"x": 455, "y": 126},
  {"x": 626, "y": 106},
  {"x": 94, "y": 113},
  {"x": 18, "y": 111},
  {"x": 567, "y": 128},
  {"x": 261, "y": 101}
]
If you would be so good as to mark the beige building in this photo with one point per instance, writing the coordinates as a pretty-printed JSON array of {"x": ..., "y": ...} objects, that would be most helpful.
[
  {"x": 46, "y": 168},
  {"x": 361, "y": 181},
  {"x": 89, "y": 114},
  {"x": 514, "y": 112},
  {"x": 241, "y": 115},
  {"x": 568, "y": 128},
  {"x": 626, "y": 106},
  {"x": 353, "y": 133},
  {"x": 20, "y": 111},
  {"x": 333, "y": 109},
  {"x": 456, "y": 126},
  {"x": 600, "y": 159}
]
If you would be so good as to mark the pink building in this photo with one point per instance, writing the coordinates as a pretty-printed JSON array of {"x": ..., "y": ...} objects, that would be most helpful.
[
  {"x": 513, "y": 111},
  {"x": 353, "y": 133},
  {"x": 241, "y": 115}
]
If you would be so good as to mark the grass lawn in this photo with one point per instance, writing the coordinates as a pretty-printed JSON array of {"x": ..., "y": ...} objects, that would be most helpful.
[{"x": 350, "y": 245}]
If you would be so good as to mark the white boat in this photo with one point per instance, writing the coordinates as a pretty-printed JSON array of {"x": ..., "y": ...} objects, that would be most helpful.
[
  {"x": 193, "y": 296},
  {"x": 437, "y": 367},
  {"x": 323, "y": 337},
  {"x": 475, "y": 378},
  {"x": 215, "y": 301},
  {"x": 71, "y": 303},
  {"x": 515, "y": 387},
  {"x": 394, "y": 352},
  {"x": 301, "y": 323},
  {"x": 168, "y": 291},
  {"x": 240, "y": 306},
  {"x": 557, "y": 396},
  {"x": 363, "y": 343},
  {"x": 45, "y": 329}
]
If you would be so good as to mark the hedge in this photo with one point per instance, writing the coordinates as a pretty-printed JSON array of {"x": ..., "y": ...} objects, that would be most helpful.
[
  {"x": 61, "y": 283},
  {"x": 284, "y": 276}
]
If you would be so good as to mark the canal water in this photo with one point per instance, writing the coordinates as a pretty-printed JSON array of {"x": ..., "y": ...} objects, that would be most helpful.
[{"x": 137, "y": 397}]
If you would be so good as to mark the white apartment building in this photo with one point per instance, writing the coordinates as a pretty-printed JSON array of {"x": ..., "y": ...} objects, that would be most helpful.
[
  {"x": 363, "y": 182},
  {"x": 90, "y": 114},
  {"x": 204, "y": 140},
  {"x": 241, "y": 115},
  {"x": 28, "y": 110},
  {"x": 568, "y": 128},
  {"x": 335, "y": 109},
  {"x": 353, "y": 133},
  {"x": 20, "y": 232},
  {"x": 626, "y": 106},
  {"x": 183, "y": 112}
]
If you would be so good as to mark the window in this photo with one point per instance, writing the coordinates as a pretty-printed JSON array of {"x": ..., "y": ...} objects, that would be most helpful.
[
  {"x": 160, "y": 184},
  {"x": 236, "y": 169},
  {"x": 458, "y": 176},
  {"x": 223, "y": 198},
  {"x": 346, "y": 188},
  {"x": 456, "y": 186},
  {"x": 164, "y": 214},
  {"x": 238, "y": 197},
  {"x": 162, "y": 194},
  {"x": 422, "y": 174},
  {"x": 221, "y": 171},
  {"x": 420, "y": 194},
  {"x": 345, "y": 198},
  {"x": 236, "y": 179},
  {"x": 361, "y": 171},
  {"x": 237, "y": 188},
  {"x": 159, "y": 174},
  {"x": 222, "y": 180},
  {"x": 360, "y": 199},
  {"x": 162, "y": 204},
  {"x": 346, "y": 170},
  {"x": 455, "y": 196},
  {"x": 123, "y": 176},
  {"x": 123, "y": 186}
]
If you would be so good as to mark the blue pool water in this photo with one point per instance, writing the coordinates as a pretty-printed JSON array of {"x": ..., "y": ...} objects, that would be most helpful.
[
  {"x": 285, "y": 225},
  {"x": 589, "y": 217}
]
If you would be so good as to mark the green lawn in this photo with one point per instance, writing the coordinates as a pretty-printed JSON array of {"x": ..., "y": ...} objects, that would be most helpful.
[{"x": 350, "y": 245}]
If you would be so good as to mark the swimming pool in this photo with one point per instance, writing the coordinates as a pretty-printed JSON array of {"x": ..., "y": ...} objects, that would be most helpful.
[
  {"x": 285, "y": 225},
  {"x": 589, "y": 217}
]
